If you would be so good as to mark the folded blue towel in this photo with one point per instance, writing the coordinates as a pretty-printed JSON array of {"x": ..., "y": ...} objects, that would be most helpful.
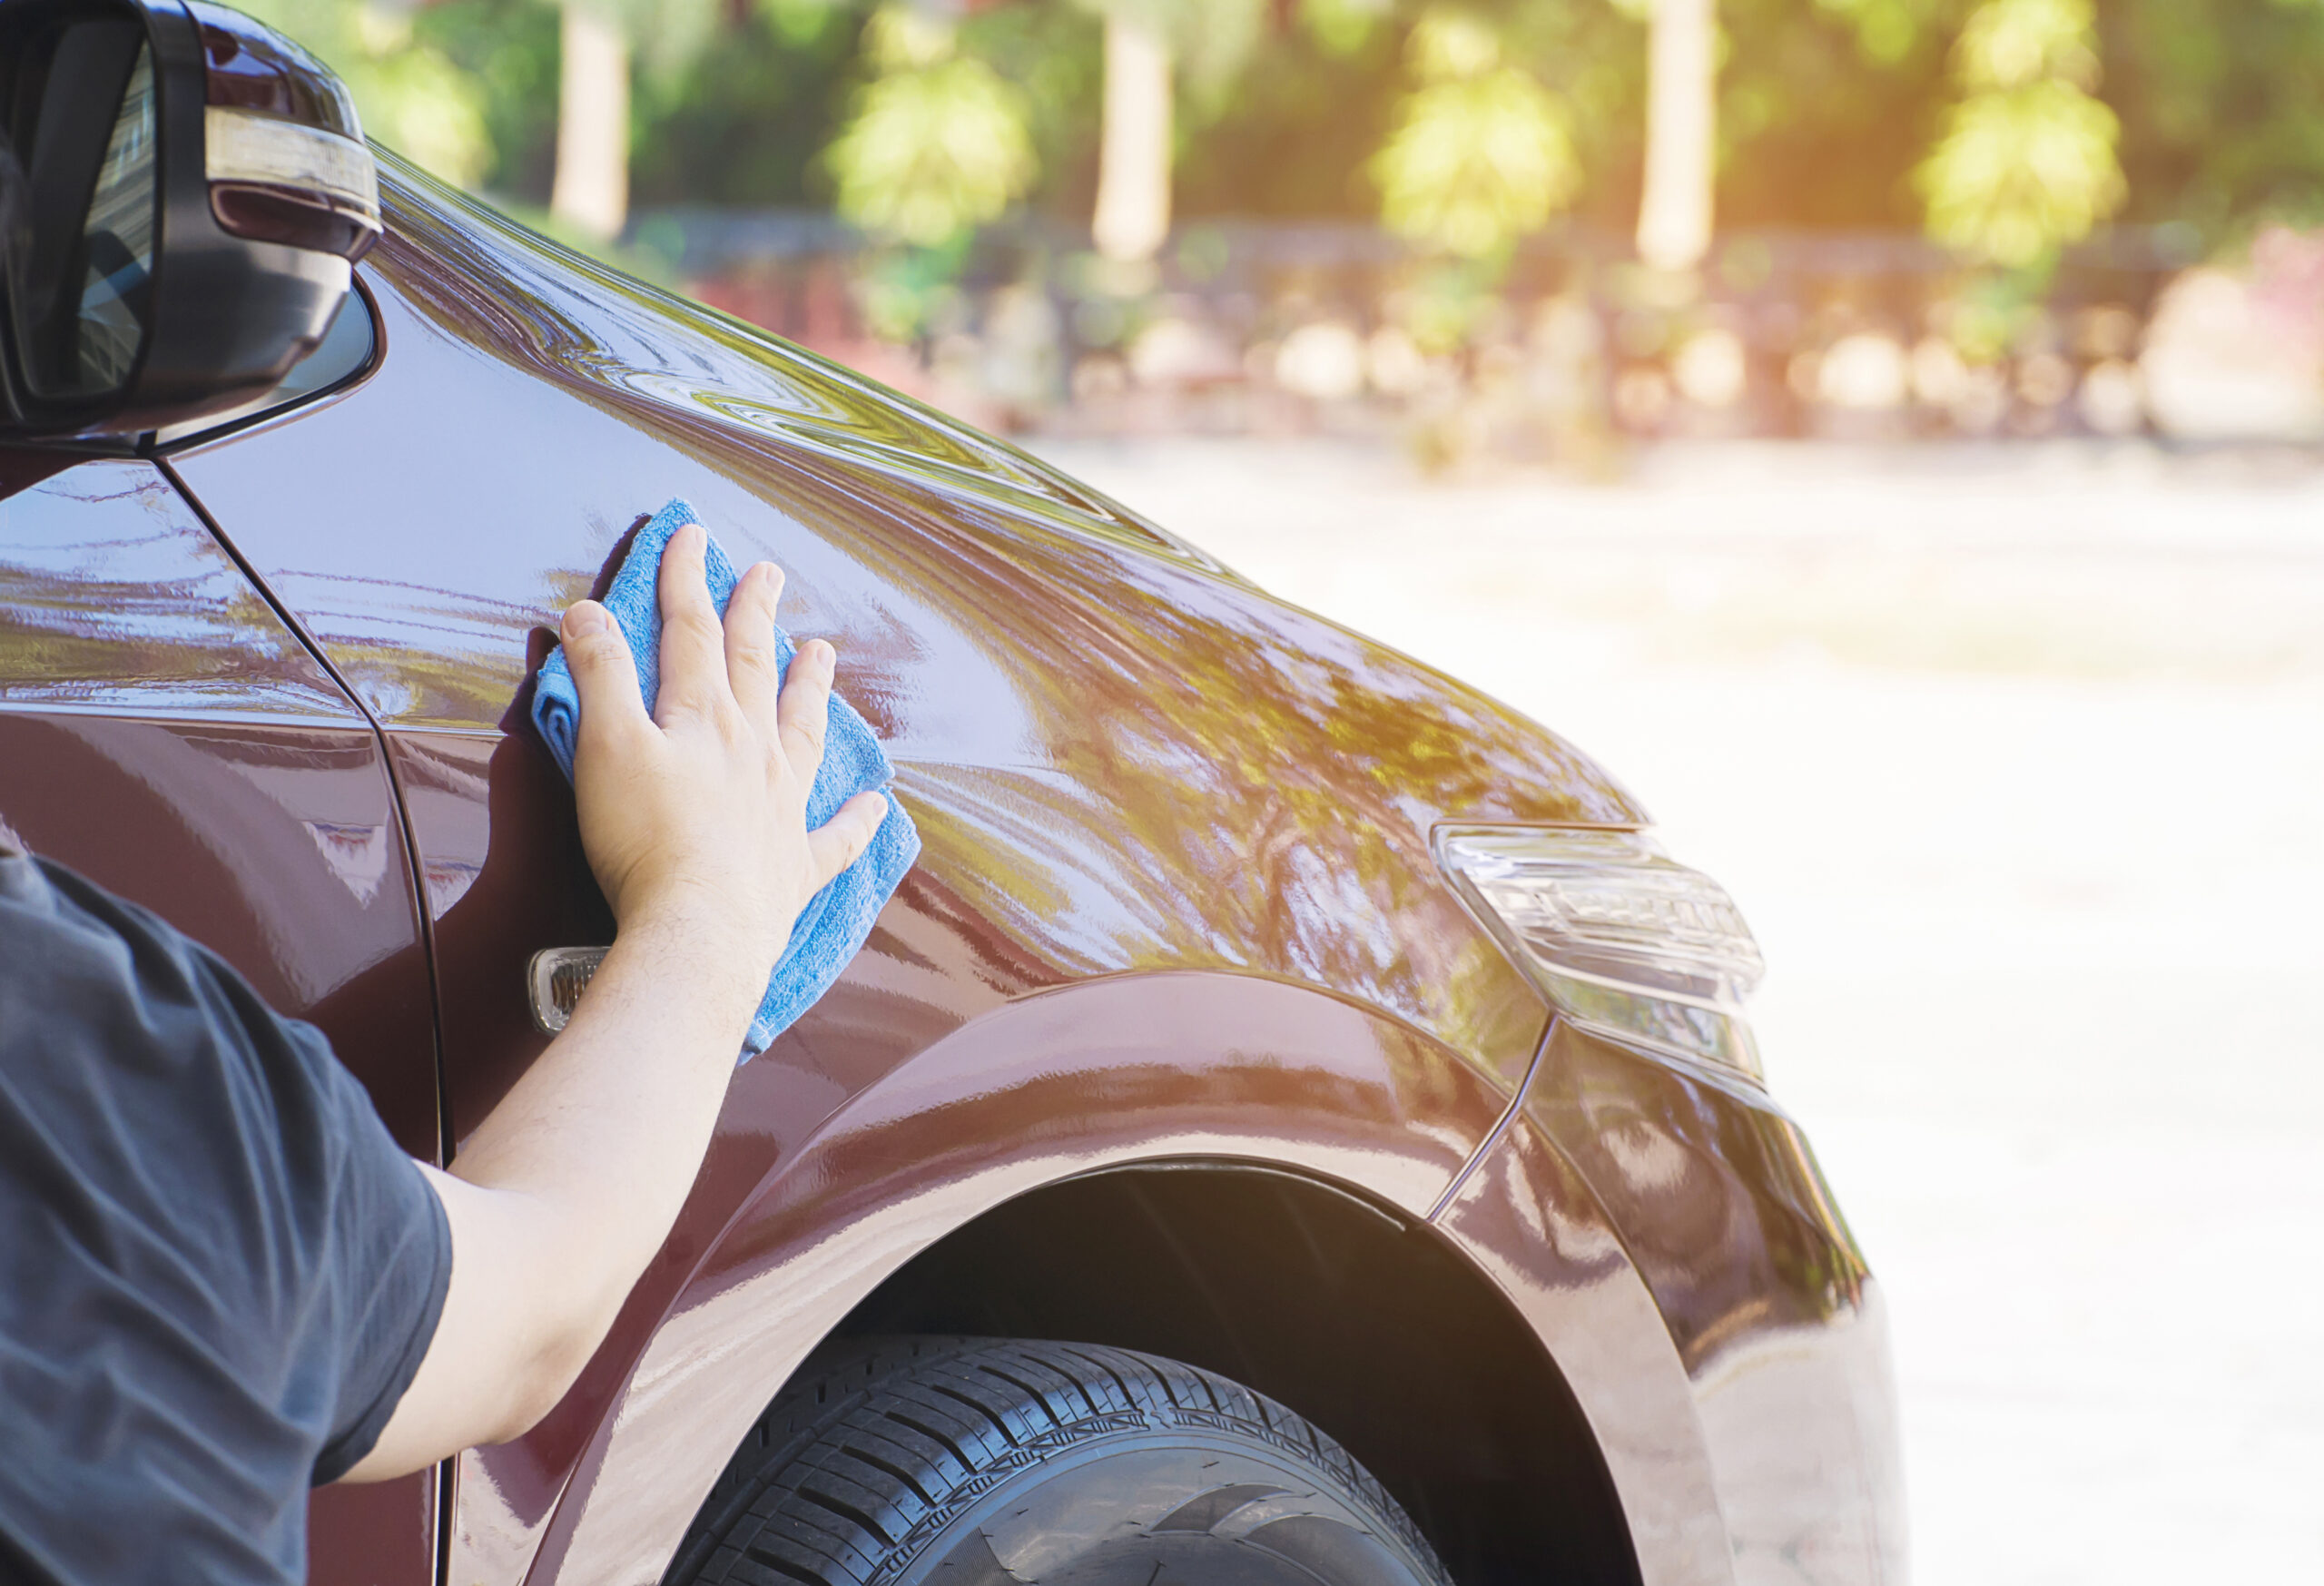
[{"x": 836, "y": 921}]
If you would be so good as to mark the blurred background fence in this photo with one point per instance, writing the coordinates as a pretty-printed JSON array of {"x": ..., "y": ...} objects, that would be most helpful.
[{"x": 1339, "y": 329}]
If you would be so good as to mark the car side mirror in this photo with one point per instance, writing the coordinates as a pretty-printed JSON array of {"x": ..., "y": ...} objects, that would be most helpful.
[{"x": 182, "y": 194}]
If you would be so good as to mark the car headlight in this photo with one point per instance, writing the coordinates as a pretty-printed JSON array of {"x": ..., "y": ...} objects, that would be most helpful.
[{"x": 1618, "y": 938}]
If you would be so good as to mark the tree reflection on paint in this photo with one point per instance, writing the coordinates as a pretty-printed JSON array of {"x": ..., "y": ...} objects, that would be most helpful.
[
  {"x": 1121, "y": 755},
  {"x": 114, "y": 594}
]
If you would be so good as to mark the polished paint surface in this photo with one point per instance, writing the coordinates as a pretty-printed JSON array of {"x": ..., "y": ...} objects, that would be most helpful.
[
  {"x": 1176, "y": 901},
  {"x": 1530, "y": 1223},
  {"x": 1766, "y": 1299},
  {"x": 164, "y": 733},
  {"x": 1127, "y": 759},
  {"x": 115, "y": 599}
]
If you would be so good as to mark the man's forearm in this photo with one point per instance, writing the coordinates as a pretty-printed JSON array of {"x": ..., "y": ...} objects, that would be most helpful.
[
  {"x": 621, "y": 1103},
  {"x": 607, "y": 1130},
  {"x": 569, "y": 1185},
  {"x": 694, "y": 820}
]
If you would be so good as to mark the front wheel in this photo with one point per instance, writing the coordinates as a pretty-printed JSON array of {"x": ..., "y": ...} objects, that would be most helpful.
[{"x": 981, "y": 1462}]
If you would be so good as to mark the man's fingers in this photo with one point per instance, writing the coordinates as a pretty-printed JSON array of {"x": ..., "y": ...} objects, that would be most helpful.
[
  {"x": 844, "y": 837},
  {"x": 693, "y": 665},
  {"x": 604, "y": 673},
  {"x": 805, "y": 710},
  {"x": 753, "y": 666}
]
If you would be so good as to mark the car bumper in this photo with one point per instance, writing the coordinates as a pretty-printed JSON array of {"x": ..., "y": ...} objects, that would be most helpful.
[{"x": 1776, "y": 1321}]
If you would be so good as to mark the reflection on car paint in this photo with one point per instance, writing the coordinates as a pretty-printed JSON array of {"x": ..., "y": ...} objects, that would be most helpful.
[
  {"x": 114, "y": 597},
  {"x": 1725, "y": 1212},
  {"x": 1216, "y": 779},
  {"x": 1762, "y": 1290},
  {"x": 1528, "y": 1219}
]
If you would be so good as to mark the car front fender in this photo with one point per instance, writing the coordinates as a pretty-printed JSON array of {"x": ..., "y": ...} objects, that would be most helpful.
[
  {"x": 780, "y": 1240},
  {"x": 1103, "y": 1074}
]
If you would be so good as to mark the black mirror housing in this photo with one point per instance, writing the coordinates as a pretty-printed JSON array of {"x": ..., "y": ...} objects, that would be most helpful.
[{"x": 182, "y": 194}]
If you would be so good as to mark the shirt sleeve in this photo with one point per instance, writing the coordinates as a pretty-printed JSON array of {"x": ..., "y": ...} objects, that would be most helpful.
[{"x": 389, "y": 1267}]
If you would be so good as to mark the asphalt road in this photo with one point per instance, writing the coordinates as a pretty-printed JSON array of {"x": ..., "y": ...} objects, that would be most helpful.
[{"x": 2014, "y": 758}]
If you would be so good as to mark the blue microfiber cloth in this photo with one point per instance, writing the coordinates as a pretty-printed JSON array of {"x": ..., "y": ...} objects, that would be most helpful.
[{"x": 836, "y": 921}]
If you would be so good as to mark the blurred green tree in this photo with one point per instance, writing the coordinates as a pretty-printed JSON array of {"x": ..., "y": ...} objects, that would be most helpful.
[
  {"x": 1482, "y": 152},
  {"x": 938, "y": 144},
  {"x": 1825, "y": 108},
  {"x": 2025, "y": 162},
  {"x": 743, "y": 124},
  {"x": 2223, "y": 111},
  {"x": 412, "y": 95},
  {"x": 938, "y": 147},
  {"x": 1845, "y": 114},
  {"x": 508, "y": 49},
  {"x": 1305, "y": 115}
]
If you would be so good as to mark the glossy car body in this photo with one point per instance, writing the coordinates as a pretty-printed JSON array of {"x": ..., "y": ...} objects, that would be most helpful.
[{"x": 1175, "y": 1039}]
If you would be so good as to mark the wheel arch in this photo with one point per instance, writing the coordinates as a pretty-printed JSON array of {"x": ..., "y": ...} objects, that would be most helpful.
[
  {"x": 1365, "y": 1321},
  {"x": 1254, "y": 1079}
]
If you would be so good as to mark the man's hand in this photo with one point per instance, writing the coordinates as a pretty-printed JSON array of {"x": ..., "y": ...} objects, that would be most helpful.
[{"x": 694, "y": 820}]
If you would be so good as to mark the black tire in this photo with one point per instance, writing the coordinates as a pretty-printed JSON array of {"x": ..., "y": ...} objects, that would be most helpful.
[{"x": 982, "y": 1462}]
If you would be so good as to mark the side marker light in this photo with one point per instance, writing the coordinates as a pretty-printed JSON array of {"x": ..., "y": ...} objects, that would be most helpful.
[{"x": 556, "y": 978}]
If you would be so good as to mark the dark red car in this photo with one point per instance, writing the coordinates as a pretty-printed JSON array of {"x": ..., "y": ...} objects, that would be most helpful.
[{"x": 1291, "y": 1127}]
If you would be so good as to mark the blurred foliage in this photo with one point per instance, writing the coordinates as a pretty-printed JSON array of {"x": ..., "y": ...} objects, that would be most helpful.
[
  {"x": 1305, "y": 114},
  {"x": 411, "y": 95},
  {"x": 2007, "y": 126},
  {"x": 1994, "y": 310},
  {"x": 1825, "y": 105},
  {"x": 938, "y": 144},
  {"x": 1480, "y": 154},
  {"x": 2223, "y": 108},
  {"x": 740, "y": 125},
  {"x": 2025, "y": 162},
  {"x": 1055, "y": 53},
  {"x": 2021, "y": 171},
  {"x": 508, "y": 49},
  {"x": 1342, "y": 27},
  {"x": 1448, "y": 300},
  {"x": 2014, "y": 43}
]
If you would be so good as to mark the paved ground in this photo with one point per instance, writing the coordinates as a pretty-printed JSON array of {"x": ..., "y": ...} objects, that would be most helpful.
[{"x": 2016, "y": 760}]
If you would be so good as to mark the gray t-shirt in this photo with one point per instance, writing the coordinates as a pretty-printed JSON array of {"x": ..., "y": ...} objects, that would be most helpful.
[{"x": 218, "y": 1272}]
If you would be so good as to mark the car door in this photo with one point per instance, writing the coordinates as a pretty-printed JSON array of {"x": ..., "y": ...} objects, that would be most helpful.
[{"x": 164, "y": 733}]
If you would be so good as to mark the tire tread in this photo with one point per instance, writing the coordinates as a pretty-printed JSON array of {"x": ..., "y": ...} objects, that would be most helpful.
[{"x": 877, "y": 1438}]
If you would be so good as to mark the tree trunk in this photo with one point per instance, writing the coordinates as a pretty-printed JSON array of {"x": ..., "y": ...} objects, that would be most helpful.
[
  {"x": 1681, "y": 123},
  {"x": 1134, "y": 157},
  {"x": 591, "y": 192}
]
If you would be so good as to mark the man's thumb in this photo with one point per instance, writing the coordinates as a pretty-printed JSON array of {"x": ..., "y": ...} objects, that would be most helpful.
[{"x": 605, "y": 674}]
